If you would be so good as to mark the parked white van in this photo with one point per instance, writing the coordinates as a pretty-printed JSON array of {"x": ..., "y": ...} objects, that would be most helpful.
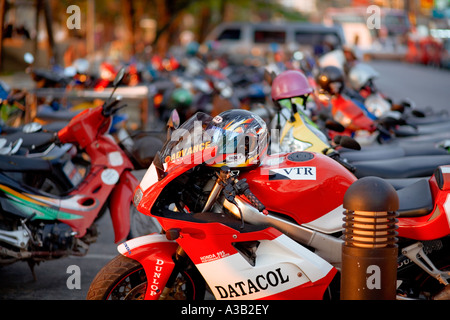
[{"x": 255, "y": 39}]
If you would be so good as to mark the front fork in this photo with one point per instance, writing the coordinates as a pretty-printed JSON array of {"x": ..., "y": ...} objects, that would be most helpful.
[{"x": 181, "y": 261}]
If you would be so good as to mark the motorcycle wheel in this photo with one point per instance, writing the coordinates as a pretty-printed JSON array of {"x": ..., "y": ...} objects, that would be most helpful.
[{"x": 124, "y": 279}]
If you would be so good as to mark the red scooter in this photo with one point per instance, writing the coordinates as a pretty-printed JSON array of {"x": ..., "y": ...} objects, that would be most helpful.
[
  {"x": 110, "y": 177},
  {"x": 37, "y": 226},
  {"x": 253, "y": 226}
]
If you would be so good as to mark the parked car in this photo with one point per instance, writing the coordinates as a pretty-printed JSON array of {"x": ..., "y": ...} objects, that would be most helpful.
[{"x": 243, "y": 39}]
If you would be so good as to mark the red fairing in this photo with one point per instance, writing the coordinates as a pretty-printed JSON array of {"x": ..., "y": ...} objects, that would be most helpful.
[
  {"x": 308, "y": 291},
  {"x": 435, "y": 225},
  {"x": 295, "y": 188},
  {"x": 359, "y": 121},
  {"x": 153, "y": 192},
  {"x": 156, "y": 259},
  {"x": 121, "y": 199},
  {"x": 207, "y": 242},
  {"x": 219, "y": 237}
]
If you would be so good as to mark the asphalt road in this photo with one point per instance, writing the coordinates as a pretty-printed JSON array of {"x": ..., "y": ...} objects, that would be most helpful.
[{"x": 426, "y": 86}]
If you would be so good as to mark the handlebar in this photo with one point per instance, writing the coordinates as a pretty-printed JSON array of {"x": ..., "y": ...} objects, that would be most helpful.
[
  {"x": 381, "y": 129},
  {"x": 255, "y": 201},
  {"x": 242, "y": 187},
  {"x": 109, "y": 108},
  {"x": 336, "y": 156},
  {"x": 233, "y": 187}
]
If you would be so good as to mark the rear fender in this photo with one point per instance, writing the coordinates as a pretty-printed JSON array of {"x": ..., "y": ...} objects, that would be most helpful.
[
  {"x": 154, "y": 252},
  {"x": 120, "y": 200}
]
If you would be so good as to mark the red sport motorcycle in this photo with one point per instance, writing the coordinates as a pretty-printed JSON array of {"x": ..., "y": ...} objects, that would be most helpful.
[{"x": 251, "y": 226}]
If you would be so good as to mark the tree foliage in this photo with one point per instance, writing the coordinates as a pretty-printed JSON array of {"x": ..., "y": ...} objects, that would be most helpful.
[{"x": 169, "y": 15}]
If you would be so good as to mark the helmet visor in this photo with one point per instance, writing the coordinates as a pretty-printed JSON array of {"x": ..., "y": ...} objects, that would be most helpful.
[{"x": 202, "y": 139}]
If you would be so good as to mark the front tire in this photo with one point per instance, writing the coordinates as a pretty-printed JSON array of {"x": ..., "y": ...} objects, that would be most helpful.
[{"x": 125, "y": 279}]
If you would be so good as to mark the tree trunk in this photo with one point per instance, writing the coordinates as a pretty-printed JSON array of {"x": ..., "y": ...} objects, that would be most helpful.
[
  {"x": 2, "y": 20},
  {"x": 162, "y": 37},
  {"x": 53, "y": 55},
  {"x": 128, "y": 9},
  {"x": 90, "y": 23}
]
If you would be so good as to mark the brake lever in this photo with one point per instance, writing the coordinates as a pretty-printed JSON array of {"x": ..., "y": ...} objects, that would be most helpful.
[
  {"x": 229, "y": 191},
  {"x": 108, "y": 108}
]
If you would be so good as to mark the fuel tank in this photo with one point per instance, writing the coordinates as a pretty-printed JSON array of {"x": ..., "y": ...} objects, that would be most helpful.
[{"x": 301, "y": 185}]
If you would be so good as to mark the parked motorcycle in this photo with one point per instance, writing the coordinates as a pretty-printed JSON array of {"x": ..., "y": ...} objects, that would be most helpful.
[
  {"x": 290, "y": 90},
  {"x": 360, "y": 87},
  {"x": 356, "y": 121},
  {"x": 252, "y": 226},
  {"x": 37, "y": 226},
  {"x": 361, "y": 80}
]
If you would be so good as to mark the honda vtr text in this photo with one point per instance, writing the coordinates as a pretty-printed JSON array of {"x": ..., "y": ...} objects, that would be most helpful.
[{"x": 35, "y": 225}]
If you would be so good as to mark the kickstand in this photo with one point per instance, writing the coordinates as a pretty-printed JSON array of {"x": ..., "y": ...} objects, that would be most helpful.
[{"x": 31, "y": 264}]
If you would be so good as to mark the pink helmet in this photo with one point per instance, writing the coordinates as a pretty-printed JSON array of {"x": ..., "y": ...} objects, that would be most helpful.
[{"x": 289, "y": 84}]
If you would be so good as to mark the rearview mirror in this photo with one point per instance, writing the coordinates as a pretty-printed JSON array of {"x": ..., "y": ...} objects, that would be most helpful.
[
  {"x": 174, "y": 120},
  {"x": 347, "y": 142},
  {"x": 334, "y": 125},
  {"x": 116, "y": 82},
  {"x": 119, "y": 77},
  {"x": 173, "y": 123}
]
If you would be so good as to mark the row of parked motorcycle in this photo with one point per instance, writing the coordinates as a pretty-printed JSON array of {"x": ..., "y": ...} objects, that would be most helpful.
[{"x": 248, "y": 179}]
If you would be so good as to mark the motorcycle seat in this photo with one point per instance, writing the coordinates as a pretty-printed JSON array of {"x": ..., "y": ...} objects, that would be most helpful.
[
  {"x": 60, "y": 115},
  {"x": 402, "y": 183},
  {"x": 407, "y": 167},
  {"x": 384, "y": 152},
  {"x": 415, "y": 200},
  {"x": 14, "y": 163},
  {"x": 33, "y": 141}
]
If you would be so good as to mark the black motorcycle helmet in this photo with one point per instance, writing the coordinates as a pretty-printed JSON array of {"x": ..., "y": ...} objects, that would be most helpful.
[{"x": 331, "y": 80}]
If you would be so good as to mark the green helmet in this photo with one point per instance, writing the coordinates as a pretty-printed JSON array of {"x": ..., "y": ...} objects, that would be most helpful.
[{"x": 181, "y": 98}]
